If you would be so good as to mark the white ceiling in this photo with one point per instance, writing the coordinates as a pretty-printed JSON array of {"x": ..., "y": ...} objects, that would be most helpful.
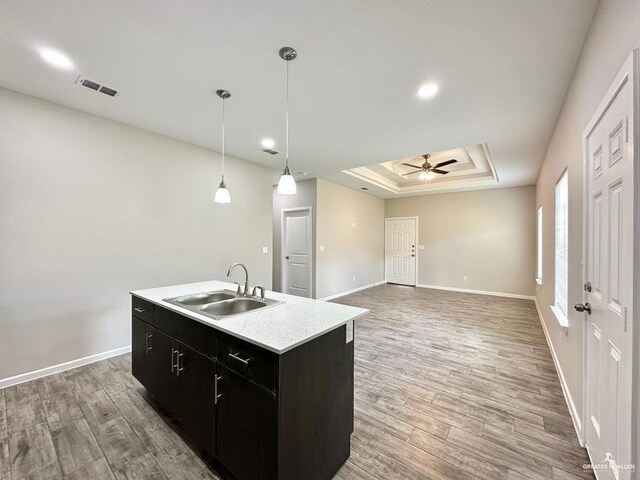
[
  {"x": 503, "y": 67},
  {"x": 473, "y": 170}
]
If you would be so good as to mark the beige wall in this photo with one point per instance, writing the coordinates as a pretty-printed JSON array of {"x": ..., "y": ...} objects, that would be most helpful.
[
  {"x": 487, "y": 236},
  {"x": 91, "y": 209},
  {"x": 306, "y": 197},
  {"x": 348, "y": 251},
  {"x": 613, "y": 34}
]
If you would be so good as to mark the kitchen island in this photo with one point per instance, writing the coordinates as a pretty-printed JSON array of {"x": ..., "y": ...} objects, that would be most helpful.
[{"x": 267, "y": 393}]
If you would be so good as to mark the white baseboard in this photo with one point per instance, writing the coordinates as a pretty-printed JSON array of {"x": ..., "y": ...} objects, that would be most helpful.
[
  {"x": 479, "y": 292},
  {"x": 25, "y": 377},
  {"x": 575, "y": 417},
  {"x": 348, "y": 292}
]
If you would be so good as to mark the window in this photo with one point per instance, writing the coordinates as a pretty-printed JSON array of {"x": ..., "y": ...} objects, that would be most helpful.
[
  {"x": 539, "y": 247},
  {"x": 561, "y": 301}
]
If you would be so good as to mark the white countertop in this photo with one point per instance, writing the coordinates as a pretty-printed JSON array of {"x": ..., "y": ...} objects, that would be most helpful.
[{"x": 278, "y": 328}]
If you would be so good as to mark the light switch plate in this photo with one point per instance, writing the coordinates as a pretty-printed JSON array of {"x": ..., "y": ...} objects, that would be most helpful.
[
  {"x": 420, "y": 247},
  {"x": 349, "y": 331},
  {"x": 265, "y": 249},
  {"x": 322, "y": 248}
]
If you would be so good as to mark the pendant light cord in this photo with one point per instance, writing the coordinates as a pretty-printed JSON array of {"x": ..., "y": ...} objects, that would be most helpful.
[
  {"x": 223, "y": 139},
  {"x": 287, "y": 122}
]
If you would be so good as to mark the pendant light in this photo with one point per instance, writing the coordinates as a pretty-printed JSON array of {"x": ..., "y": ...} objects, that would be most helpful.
[
  {"x": 287, "y": 184},
  {"x": 222, "y": 193}
]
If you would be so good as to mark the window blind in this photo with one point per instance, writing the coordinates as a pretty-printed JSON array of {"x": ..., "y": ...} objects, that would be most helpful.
[
  {"x": 539, "y": 247},
  {"x": 562, "y": 245}
]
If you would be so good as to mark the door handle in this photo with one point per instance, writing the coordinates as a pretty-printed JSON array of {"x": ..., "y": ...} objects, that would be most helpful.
[
  {"x": 179, "y": 363},
  {"x": 149, "y": 344},
  {"x": 216, "y": 395},
  {"x": 287, "y": 257},
  {"x": 583, "y": 308},
  {"x": 174, "y": 360}
]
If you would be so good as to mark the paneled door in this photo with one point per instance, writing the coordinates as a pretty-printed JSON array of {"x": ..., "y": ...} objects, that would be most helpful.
[
  {"x": 297, "y": 252},
  {"x": 400, "y": 250},
  {"x": 609, "y": 269}
]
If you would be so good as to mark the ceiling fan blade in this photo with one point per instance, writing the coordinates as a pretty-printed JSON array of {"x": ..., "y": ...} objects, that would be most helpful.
[
  {"x": 443, "y": 164},
  {"x": 441, "y": 172},
  {"x": 411, "y": 173},
  {"x": 414, "y": 166}
]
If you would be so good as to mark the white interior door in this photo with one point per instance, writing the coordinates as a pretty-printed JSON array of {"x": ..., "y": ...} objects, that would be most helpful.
[
  {"x": 297, "y": 252},
  {"x": 609, "y": 269},
  {"x": 400, "y": 250}
]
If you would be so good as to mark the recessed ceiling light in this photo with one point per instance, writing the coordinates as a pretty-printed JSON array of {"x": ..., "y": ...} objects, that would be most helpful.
[
  {"x": 56, "y": 58},
  {"x": 428, "y": 90},
  {"x": 268, "y": 143}
]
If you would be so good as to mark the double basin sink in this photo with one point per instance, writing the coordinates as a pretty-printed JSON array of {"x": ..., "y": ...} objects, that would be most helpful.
[{"x": 221, "y": 303}]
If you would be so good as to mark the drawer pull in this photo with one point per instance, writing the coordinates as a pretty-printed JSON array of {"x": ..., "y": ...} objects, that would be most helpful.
[
  {"x": 236, "y": 357},
  {"x": 149, "y": 343},
  {"x": 140, "y": 310}
]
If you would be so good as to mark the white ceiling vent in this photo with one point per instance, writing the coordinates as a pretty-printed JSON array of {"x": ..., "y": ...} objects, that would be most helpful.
[
  {"x": 270, "y": 151},
  {"x": 85, "y": 82}
]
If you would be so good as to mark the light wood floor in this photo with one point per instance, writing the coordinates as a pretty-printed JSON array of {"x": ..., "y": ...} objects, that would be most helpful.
[{"x": 448, "y": 386}]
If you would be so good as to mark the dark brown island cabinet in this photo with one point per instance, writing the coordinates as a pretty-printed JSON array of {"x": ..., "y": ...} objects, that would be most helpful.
[{"x": 259, "y": 415}]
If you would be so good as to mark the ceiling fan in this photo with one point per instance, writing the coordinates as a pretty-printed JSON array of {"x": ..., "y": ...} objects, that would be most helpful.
[{"x": 426, "y": 170}]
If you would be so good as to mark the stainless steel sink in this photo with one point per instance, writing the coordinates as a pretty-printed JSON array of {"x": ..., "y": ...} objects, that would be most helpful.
[
  {"x": 203, "y": 298},
  {"x": 232, "y": 307},
  {"x": 221, "y": 304}
]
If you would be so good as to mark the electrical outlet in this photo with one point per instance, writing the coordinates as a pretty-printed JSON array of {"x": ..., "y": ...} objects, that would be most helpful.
[
  {"x": 353, "y": 225},
  {"x": 265, "y": 249},
  {"x": 354, "y": 278},
  {"x": 321, "y": 248},
  {"x": 420, "y": 247},
  {"x": 464, "y": 278}
]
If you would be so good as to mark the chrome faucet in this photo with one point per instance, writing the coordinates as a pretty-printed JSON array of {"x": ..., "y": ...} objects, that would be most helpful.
[
  {"x": 246, "y": 278},
  {"x": 255, "y": 289}
]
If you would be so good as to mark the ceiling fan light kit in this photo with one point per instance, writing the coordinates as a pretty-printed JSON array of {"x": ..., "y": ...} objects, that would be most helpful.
[
  {"x": 428, "y": 171},
  {"x": 222, "y": 193},
  {"x": 287, "y": 184}
]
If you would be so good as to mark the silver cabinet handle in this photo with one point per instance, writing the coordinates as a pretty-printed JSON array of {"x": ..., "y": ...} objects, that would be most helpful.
[
  {"x": 236, "y": 357},
  {"x": 215, "y": 389},
  {"x": 140, "y": 310},
  {"x": 174, "y": 361},
  {"x": 179, "y": 363},
  {"x": 149, "y": 344}
]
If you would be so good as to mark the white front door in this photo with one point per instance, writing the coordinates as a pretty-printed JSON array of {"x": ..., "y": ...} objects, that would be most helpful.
[
  {"x": 608, "y": 143},
  {"x": 400, "y": 250},
  {"x": 297, "y": 252}
]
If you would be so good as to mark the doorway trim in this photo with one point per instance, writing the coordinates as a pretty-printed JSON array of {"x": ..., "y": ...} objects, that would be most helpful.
[
  {"x": 310, "y": 242},
  {"x": 629, "y": 73},
  {"x": 386, "y": 221}
]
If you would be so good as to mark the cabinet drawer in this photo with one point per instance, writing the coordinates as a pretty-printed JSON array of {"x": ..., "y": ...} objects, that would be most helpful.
[
  {"x": 142, "y": 309},
  {"x": 255, "y": 363},
  {"x": 200, "y": 337}
]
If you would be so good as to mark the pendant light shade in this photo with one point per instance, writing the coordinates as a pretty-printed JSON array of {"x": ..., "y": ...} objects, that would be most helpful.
[
  {"x": 222, "y": 193},
  {"x": 287, "y": 184}
]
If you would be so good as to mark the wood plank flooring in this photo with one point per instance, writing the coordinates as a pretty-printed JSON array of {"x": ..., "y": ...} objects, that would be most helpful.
[
  {"x": 447, "y": 386},
  {"x": 456, "y": 386}
]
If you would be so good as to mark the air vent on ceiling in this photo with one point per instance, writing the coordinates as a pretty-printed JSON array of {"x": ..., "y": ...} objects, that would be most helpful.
[
  {"x": 85, "y": 82},
  {"x": 270, "y": 151}
]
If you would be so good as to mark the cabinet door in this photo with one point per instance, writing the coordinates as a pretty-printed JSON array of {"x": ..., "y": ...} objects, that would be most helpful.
[
  {"x": 197, "y": 397},
  {"x": 165, "y": 381},
  {"x": 246, "y": 427},
  {"x": 142, "y": 352}
]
